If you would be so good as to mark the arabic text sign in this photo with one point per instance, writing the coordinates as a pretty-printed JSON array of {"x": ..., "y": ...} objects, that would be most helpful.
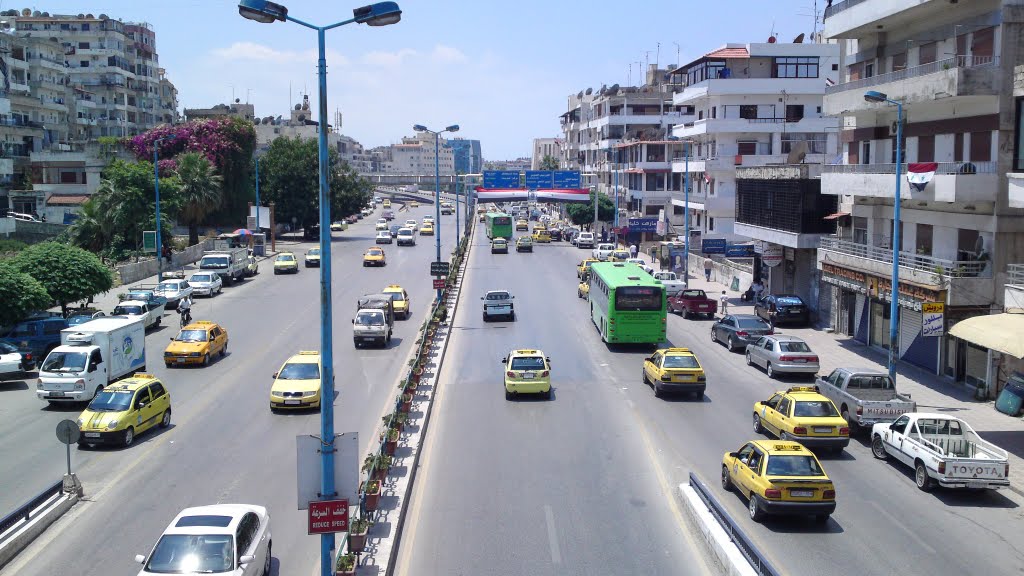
[
  {"x": 328, "y": 516},
  {"x": 933, "y": 319},
  {"x": 537, "y": 179},
  {"x": 501, "y": 179},
  {"x": 567, "y": 179}
]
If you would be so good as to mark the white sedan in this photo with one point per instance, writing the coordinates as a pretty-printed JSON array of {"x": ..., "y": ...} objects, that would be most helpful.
[
  {"x": 174, "y": 291},
  {"x": 383, "y": 237},
  {"x": 222, "y": 539},
  {"x": 206, "y": 283},
  {"x": 11, "y": 362}
]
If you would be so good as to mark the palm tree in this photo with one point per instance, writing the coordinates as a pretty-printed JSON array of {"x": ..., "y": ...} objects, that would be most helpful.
[
  {"x": 199, "y": 191},
  {"x": 88, "y": 230}
]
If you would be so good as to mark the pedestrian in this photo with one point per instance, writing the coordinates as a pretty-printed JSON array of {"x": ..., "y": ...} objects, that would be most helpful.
[
  {"x": 724, "y": 299},
  {"x": 42, "y": 218},
  {"x": 634, "y": 250},
  {"x": 166, "y": 255},
  {"x": 758, "y": 288},
  {"x": 708, "y": 265}
]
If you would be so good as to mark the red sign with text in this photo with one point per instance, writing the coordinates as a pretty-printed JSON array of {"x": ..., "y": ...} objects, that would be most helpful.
[
  {"x": 328, "y": 516},
  {"x": 438, "y": 283}
]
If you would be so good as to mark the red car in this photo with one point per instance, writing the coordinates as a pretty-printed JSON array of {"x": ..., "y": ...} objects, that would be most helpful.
[{"x": 687, "y": 302}]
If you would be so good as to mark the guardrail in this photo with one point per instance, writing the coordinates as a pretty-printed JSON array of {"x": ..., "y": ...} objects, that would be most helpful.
[
  {"x": 917, "y": 262},
  {"x": 1015, "y": 274},
  {"x": 746, "y": 546},
  {"x": 940, "y": 168},
  {"x": 915, "y": 71},
  {"x": 24, "y": 513}
]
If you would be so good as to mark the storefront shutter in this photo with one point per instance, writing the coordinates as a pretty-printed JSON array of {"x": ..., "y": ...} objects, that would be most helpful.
[{"x": 910, "y": 328}]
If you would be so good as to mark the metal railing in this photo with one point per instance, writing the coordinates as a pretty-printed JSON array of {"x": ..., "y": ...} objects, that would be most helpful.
[
  {"x": 24, "y": 513},
  {"x": 744, "y": 543},
  {"x": 915, "y": 71},
  {"x": 837, "y": 8},
  {"x": 917, "y": 262},
  {"x": 942, "y": 168},
  {"x": 1015, "y": 274}
]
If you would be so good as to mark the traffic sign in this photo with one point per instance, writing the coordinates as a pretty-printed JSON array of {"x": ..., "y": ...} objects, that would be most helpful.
[
  {"x": 439, "y": 268},
  {"x": 149, "y": 241},
  {"x": 501, "y": 179},
  {"x": 438, "y": 283},
  {"x": 68, "y": 431},
  {"x": 537, "y": 179},
  {"x": 772, "y": 255},
  {"x": 739, "y": 250},
  {"x": 712, "y": 245},
  {"x": 327, "y": 516},
  {"x": 567, "y": 179}
]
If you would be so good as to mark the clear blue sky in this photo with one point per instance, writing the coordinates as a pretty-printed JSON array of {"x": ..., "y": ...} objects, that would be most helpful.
[{"x": 501, "y": 70}]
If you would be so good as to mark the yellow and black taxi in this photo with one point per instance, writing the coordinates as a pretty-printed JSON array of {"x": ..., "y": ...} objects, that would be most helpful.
[
  {"x": 374, "y": 257},
  {"x": 399, "y": 299},
  {"x": 674, "y": 370},
  {"x": 583, "y": 290},
  {"x": 125, "y": 409},
  {"x": 522, "y": 225},
  {"x": 779, "y": 478},
  {"x": 499, "y": 245},
  {"x": 297, "y": 383},
  {"x": 584, "y": 267},
  {"x": 805, "y": 416},
  {"x": 414, "y": 204},
  {"x": 619, "y": 256},
  {"x": 196, "y": 343},
  {"x": 527, "y": 371},
  {"x": 313, "y": 257},
  {"x": 524, "y": 244},
  {"x": 427, "y": 229},
  {"x": 286, "y": 262},
  {"x": 386, "y": 203},
  {"x": 541, "y": 235}
]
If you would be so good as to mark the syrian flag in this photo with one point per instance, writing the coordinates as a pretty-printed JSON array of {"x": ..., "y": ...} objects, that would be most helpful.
[
  {"x": 919, "y": 174},
  {"x": 707, "y": 177}
]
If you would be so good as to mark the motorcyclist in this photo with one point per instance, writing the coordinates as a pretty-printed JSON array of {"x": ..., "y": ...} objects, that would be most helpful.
[{"x": 185, "y": 309}]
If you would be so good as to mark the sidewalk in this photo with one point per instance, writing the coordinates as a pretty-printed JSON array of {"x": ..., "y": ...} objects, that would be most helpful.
[{"x": 932, "y": 393}]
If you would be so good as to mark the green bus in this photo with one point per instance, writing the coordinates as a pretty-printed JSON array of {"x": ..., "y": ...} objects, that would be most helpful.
[
  {"x": 498, "y": 224},
  {"x": 627, "y": 305}
]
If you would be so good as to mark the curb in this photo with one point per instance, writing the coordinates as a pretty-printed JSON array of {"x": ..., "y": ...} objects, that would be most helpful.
[
  {"x": 43, "y": 516},
  {"x": 723, "y": 551}
]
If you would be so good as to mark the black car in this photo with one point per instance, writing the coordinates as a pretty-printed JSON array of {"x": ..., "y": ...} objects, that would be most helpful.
[
  {"x": 394, "y": 230},
  {"x": 738, "y": 330},
  {"x": 556, "y": 234},
  {"x": 311, "y": 232},
  {"x": 783, "y": 309}
]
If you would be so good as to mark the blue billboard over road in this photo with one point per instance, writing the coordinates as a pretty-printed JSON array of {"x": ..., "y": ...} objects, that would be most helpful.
[
  {"x": 501, "y": 179},
  {"x": 538, "y": 179},
  {"x": 712, "y": 245},
  {"x": 567, "y": 179},
  {"x": 643, "y": 224},
  {"x": 739, "y": 251}
]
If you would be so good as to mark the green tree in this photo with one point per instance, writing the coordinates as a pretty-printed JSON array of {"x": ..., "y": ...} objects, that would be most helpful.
[
  {"x": 198, "y": 192},
  {"x": 549, "y": 162},
  {"x": 21, "y": 294},
  {"x": 89, "y": 229},
  {"x": 581, "y": 214},
  {"x": 67, "y": 273}
]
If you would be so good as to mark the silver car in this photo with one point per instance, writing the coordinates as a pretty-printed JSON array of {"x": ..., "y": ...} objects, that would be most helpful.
[
  {"x": 738, "y": 330},
  {"x": 782, "y": 353},
  {"x": 205, "y": 283}
]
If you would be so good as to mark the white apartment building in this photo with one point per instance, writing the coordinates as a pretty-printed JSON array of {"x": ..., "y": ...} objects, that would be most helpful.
[
  {"x": 951, "y": 65},
  {"x": 415, "y": 156},
  {"x": 543, "y": 147},
  {"x": 749, "y": 105}
]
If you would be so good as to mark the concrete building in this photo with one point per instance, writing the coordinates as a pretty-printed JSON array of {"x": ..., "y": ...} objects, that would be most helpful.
[
  {"x": 952, "y": 65},
  {"x": 219, "y": 111},
  {"x": 544, "y": 147},
  {"x": 468, "y": 158}
]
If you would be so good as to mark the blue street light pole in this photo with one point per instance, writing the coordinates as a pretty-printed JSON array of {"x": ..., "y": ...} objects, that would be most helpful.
[
  {"x": 437, "y": 184},
  {"x": 894, "y": 290},
  {"x": 686, "y": 218},
  {"x": 458, "y": 236},
  {"x": 257, "y": 194},
  {"x": 379, "y": 14},
  {"x": 156, "y": 188}
]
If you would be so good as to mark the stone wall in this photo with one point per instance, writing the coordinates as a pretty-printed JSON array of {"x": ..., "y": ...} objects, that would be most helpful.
[
  {"x": 30, "y": 232},
  {"x": 135, "y": 271}
]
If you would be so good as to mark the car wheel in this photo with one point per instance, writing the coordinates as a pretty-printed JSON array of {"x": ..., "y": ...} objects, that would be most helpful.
[
  {"x": 224, "y": 350},
  {"x": 749, "y": 361},
  {"x": 206, "y": 360},
  {"x": 714, "y": 337},
  {"x": 769, "y": 370},
  {"x": 921, "y": 478},
  {"x": 266, "y": 564},
  {"x": 165, "y": 421},
  {"x": 784, "y": 436},
  {"x": 512, "y": 317},
  {"x": 658, "y": 393},
  {"x": 731, "y": 344},
  {"x": 508, "y": 395},
  {"x": 129, "y": 436},
  {"x": 726, "y": 482},
  {"x": 878, "y": 449},
  {"x": 849, "y": 421},
  {"x": 547, "y": 395},
  {"x": 755, "y": 511},
  {"x": 758, "y": 428}
]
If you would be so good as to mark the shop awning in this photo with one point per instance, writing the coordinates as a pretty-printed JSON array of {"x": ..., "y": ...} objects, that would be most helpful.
[
  {"x": 836, "y": 215},
  {"x": 1000, "y": 332}
]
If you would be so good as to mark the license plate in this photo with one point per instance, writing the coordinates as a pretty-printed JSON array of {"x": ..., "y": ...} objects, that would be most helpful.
[
  {"x": 179, "y": 360},
  {"x": 56, "y": 394},
  {"x": 800, "y": 361},
  {"x": 92, "y": 434},
  {"x": 794, "y": 311},
  {"x": 976, "y": 484},
  {"x": 822, "y": 429},
  {"x": 528, "y": 375},
  {"x": 802, "y": 493},
  {"x": 291, "y": 401},
  {"x": 682, "y": 378}
]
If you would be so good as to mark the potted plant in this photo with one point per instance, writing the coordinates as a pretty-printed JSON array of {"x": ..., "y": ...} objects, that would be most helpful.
[
  {"x": 406, "y": 403},
  {"x": 357, "y": 532},
  {"x": 391, "y": 441},
  {"x": 377, "y": 465},
  {"x": 346, "y": 565}
]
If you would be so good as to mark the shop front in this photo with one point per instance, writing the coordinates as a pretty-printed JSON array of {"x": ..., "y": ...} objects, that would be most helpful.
[{"x": 984, "y": 350}]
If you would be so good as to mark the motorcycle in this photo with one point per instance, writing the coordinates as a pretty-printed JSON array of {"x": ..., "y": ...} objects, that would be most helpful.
[{"x": 186, "y": 317}]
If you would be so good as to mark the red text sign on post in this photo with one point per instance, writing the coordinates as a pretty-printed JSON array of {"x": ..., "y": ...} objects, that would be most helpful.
[
  {"x": 438, "y": 283},
  {"x": 328, "y": 516}
]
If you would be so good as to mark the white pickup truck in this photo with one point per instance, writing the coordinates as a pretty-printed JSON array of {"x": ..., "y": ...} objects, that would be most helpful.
[
  {"x": 673, "y": 285},
  {"x": 865, "y": 397},
  {"x": 149, "y": 314},
  {"x": 603, "y": 250},
  {"x": 498, "y": 303},
  {"x": 942, "y": 450}
]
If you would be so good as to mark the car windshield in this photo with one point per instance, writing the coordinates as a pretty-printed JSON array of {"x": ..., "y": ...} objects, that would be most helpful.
[
  {"x": 497, "y": 295},
  {"x": 111, "y": 401},
  {"x": 214, "y": 262},
  {"x": 397, "y": 296},
  {"x": 752, "y": 324},
  {"x": 192, "y": 553},
  {"x": 299, "y": 371},
  {"x": 200, "y": 278},
  {"x": 680, "y": 362},
  {"x": 370, "y": 318},
  {"x": 64, "y": 362},
  {"x": 169, "y": 286},
  {"x": 789, "y": 301},
  {"x": 191, "y": 336},
  {"x": 814, "y": 409},
  {"x": 793, "y": 465},
  {"x": 527, "y": 363},
  {"x": 794, "y": 347},
  {"x": 313, "y": 252},
  {"x": 128, "y": 310}
]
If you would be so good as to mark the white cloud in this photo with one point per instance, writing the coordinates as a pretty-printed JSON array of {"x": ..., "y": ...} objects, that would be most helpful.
[
  {"x": 250, "y": 51},
  {"x": 445, "y": 54},
  {"x": 388, "y": 59}
]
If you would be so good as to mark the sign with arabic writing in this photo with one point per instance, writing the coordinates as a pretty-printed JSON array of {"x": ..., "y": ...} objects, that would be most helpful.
[
  {"x": 328, "y": 516},
  {"x": 933, "y": 319}
]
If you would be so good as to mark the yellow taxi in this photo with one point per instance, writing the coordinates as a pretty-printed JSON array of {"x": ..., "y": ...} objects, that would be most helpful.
[
  {"x": 286, "y": 262},
  {"x": 386, "y": 203},
  {"x": 539, "y": 226},
  {"x": 584, "y": 266},
  {"x": 522, "y": 224},
  {"x": 124, "y": 409},
  {"x": 619, "y": 256},
  {"x": 427, "y": 229},
  {"x": 196, "y": 343},
  {"x": 374, "y": 257},
  {"x": 779, "y": 478},
  {"x": 297, "y": 383},
  {"x": 541, "y": 235},
  {"x": 675, "y": 370},
  {"x": 414, "y": 204},
  {"x": 399, "y": 299},
  {"x": 583, "y": 290},
  {"x": 527, "y": 371},
  {"x": 803, "y": 415}
]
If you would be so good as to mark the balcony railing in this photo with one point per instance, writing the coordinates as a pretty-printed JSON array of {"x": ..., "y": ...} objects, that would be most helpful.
[
  {"x": 917, "y": 262},
  {"x": 914, "y": 72},
  {"x": 837, "y": 8},
  {"x": 943, "y": 168},
  {"x": 1015, "y": 274}
]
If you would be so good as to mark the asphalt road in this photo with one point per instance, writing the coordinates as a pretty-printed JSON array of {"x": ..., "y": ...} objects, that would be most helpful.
[
  {"x": 585, "y": 483},
  {"x": 224, "y": 444}
]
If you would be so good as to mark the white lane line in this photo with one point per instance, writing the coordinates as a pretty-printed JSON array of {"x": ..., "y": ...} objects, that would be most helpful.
[
  {"x": 892, "y": 519},
  {"x": 549, "y": 515}
]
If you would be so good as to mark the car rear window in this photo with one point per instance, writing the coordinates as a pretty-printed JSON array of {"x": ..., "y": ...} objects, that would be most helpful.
[
  {"x": 814, "y": 409},
  {"x": 789, "y": 301},
  {"x": 638, "y": 298},
  {"x": 681, "y": 362},
  {"x": 793, "y": 465},
  {"x": 752, "y": 324},
  {"x": 203, "y": 520},
  {"x": 794, "y": 347},
  {"x": 527, "y": 363}
]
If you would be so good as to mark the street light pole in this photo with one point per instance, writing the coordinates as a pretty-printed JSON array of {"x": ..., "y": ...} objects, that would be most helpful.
[
  {"x": 257, "y": 194},
  {"x": 458, "y": 235},
  {"x": 437, "y": 185},
  {"x": 686, "y": 218},
  {"x": 156, "y": 189}
]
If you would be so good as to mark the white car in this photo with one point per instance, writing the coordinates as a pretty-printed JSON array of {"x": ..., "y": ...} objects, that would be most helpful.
[
  {"x": 671, "y": 282},
  {"x": 383, "y": 237},
  {"x": 151, "y": 316},
  {"x": 411, "y": 223},
  {"x": 603, "y": 250},
  {"x": 498, "y": 303},
  {"x": 174, "y": 291},
  {"x": 406, "y": 237},
  {"x": 229, "y": 539},
  {"x": 11, "y": 362},
  {"x": 427, "y": 219},
  {"x": 205, "y": 283},
  {"x": 638, "y": 261},
  {"x": 584, "y": 240},
  {"x": 382, "y": 224}
]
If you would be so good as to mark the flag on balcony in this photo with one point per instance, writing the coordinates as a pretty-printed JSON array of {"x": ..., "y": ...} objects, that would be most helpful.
[
  {"x": 829, "y": 82},
  {"x": 707, "y": 177},
  {"x": 919, "y": 174}
]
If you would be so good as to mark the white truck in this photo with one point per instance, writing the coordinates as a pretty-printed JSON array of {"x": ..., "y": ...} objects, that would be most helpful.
[
  {"x": 603, "y": 250},
  {"x": 673, "y": 285},
  {"x": 149, "y": 313},
  {"x": 90, "y": 356},
  {"x": 374, "y": 321},
  {"x": 943, "y": 450},
  {"x": 498, "y": 303},
  {"x": 230, "y": 263},
  {"x": 584, "y": 240},
  {"x": 865, "y": 396}
]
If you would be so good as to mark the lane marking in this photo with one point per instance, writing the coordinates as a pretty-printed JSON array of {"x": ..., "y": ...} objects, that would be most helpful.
[{"x": 549, "y": 516}]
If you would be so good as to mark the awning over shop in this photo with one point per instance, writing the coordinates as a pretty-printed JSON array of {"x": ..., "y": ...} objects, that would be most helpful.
[{"x": 1000, "y": 332}]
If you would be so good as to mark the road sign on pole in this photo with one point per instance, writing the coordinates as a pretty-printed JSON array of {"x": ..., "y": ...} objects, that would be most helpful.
[
  {"x": 439, "y": 268},
  {"x": 327, "y": 517},
  {"x": 438, "y": 283},
  {"x": 149, "y": 241}
]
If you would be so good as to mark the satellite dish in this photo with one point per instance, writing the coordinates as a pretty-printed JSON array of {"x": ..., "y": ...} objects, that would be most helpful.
[
  {"x": 302, "y": 117},
  {"x": 298, "y": 106},
  {"x": 772, "y": 39},
  {"x": 589, "y": 91},
  {"x": 580, "y": 95},
  {"x": 799, "y": 39},
  {"x": 26, "y": 12},
  {"x": 797, "y": 153},
  {"x": 614, "y": 88}
]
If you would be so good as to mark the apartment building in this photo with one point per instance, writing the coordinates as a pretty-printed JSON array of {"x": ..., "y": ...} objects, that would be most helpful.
[
  {"x": 468, "y": 158},
  {"x": 952, "y": 66},
  {"x": 544, "y": 147}
]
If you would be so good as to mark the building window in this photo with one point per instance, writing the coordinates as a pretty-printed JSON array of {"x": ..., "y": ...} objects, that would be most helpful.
[
  {"x": 865, "y": 158},
  {"x": 83, "y": 45},
  {"x": 927, "y": 53},
  {"x": 1018, "y": 140},
  {"x": 788, "y": 67},
  {"x": 860, "y": 230},
  {"x": 794, "y": 112},
  {"x": 924, "y": 240},
  {"x": 981, "y": 146},
  {"x": 83, "y": 63},
  {"x": 748, "y": 111},
  {"x": 899, "y": 61},
  {"x": 816, "y": 142},
  {"x": 85, "y": 27},
  {"x": 711, "y": 223}
]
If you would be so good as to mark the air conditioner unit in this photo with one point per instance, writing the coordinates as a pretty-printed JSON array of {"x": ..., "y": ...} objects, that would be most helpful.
[{"x": 892, "y": 127}]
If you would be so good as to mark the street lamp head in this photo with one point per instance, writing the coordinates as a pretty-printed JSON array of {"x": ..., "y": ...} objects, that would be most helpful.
[
  {"x": 452, "y": 128},
  {"x": 420, "y": 128},
  {"x": 875, "y": 96},
  {"x": 262, "y": 11},
  {"x": 379, "y": 14}
]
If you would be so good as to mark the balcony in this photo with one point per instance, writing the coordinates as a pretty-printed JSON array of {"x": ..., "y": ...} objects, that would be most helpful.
[
  {"x": 952, "y": 77},
  {"x": 858, "y": 18},
  {"x": 746, "y": 87},
  {"x": 1016, "y": 184},
  {"x": 738, "y": 125},
  {"x": 968, "y": 282},
  {"x": 1013, "y": 292},
  {"x": 953, "y": 182}
]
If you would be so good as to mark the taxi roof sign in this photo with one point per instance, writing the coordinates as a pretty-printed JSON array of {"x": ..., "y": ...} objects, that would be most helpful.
[
  {"x": 144, "y": 375},
  {"x": 309, "y": 353},
  {"x": 794, "y": 447},
  {"x": 682, "y": 350},
  {"x": 803, "y": 389}
]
